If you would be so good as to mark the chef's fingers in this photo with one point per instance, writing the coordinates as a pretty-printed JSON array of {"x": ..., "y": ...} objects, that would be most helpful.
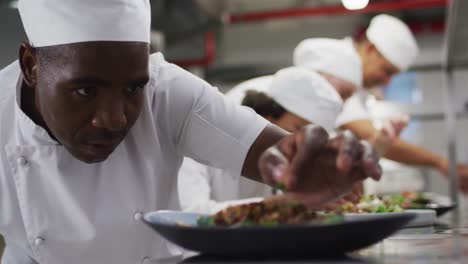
[
  {"x": 370, "y": 161},
  {"x": 308, "y": 141},
  {"x": 348, "y": 151},
  {"x": 272, "y": 165}
]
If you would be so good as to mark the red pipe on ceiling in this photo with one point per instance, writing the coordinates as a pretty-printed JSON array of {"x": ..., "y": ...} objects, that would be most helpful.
[
  {"x": 334, "y": 10},
  {"x": 207, "y": 59}
]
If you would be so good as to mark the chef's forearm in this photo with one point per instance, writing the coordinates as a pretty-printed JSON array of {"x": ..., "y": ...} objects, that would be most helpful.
[
  {"x": 410, "y": 154},
  {"x": 267, "y": 138},
  {"x": 400, "y": 150}
]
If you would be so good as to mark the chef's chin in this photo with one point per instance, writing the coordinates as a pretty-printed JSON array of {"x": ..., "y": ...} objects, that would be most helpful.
[
  {"x": 95, "y": 160},
  {"x": 90, "y": 157}
]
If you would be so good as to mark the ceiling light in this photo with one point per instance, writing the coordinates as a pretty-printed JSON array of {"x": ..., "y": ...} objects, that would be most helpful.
[{"x": 355, "y": 4}]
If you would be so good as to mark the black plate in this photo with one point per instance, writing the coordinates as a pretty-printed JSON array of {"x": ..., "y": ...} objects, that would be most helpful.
[
  {"x": 440, "y": 209},
  {"x": 438, "y": 202},
  {"x": 270, "y": 260},
  {"x": 299, "y": 240}
]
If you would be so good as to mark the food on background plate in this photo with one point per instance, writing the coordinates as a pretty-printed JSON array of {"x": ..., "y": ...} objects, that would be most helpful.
[
  {"x": 413, "y": 200},
  {"x": 268, "y": 214},
  {"x": 374, "y": 204},
  {"x": 391, "y": 203},
  {"x": 408, "y": 200}
]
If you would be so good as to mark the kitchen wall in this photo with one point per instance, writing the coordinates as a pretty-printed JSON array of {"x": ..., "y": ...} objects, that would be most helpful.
[
  {"x": 11, "y": 35},
  {"x": 273, "y": 42}
]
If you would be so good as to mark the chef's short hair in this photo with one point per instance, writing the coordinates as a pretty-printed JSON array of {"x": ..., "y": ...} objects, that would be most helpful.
[
  {"x": 263, "y": 104},
  {"x": 49, "y": 54}
]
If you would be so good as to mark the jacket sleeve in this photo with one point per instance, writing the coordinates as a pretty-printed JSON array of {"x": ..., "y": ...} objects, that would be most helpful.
[{"x": 201, "y": 123}]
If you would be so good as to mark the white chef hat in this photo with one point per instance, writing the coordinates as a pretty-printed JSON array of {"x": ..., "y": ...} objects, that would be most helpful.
[
  {"x": 394, "y": 40},
  {"x": 336, "y": 57},
  {"x": 306, "y": 94},
  {"x": 56, "y": 22}
]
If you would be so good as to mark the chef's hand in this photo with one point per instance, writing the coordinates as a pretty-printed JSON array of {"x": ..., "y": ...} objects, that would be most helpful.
[
  {"x": 356, "y": 193},
  {"x": 462, "y": 170},
  {"x": 353, "y": 197},
  {"x": 314, "y": 169},
  {"x": 391, "y": 130}
]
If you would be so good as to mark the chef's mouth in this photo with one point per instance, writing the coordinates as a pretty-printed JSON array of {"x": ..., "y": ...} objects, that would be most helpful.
[
  {"x": 102, "y": 148},
  {"x": 102, "y": 144}
]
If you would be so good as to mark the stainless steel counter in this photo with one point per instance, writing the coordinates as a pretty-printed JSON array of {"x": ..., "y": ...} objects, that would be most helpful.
[{"x": 440, "y": 246}]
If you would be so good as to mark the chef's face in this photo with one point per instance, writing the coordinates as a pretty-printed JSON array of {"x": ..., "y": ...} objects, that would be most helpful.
[
  {"x": 90, "y": 94},
  {"x": 377, "y": 70},
  {"x": 290, "y": 122},
  {"x": 344, "y": 88}
]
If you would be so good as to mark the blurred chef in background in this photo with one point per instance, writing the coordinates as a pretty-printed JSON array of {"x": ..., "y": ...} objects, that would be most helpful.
[{"x": 387, "y": 49}]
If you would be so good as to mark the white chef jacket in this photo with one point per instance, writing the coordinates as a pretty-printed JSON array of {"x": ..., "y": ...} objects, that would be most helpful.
[
  {"x": 57, "y": 209},
  {"x": 204, "y": 189},
  {"x": 354, "y": 109}
]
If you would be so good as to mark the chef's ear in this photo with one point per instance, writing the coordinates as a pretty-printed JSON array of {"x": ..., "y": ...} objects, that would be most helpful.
[
  {"x": 371, "y": 48},
  {"x": 270, "y": 118},
  {"x": 28, "y": 63}
]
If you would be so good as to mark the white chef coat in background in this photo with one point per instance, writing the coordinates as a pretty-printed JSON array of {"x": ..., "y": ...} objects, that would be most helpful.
[{"x": 57, "y": 209}]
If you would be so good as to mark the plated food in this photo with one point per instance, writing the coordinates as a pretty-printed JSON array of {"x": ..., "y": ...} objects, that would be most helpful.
[
  {"x": 281, "y": 240},
  {"x": 267, "y": 213},
  {"x": 274, "y": 214},
  {"x": 278, "y": 229}
]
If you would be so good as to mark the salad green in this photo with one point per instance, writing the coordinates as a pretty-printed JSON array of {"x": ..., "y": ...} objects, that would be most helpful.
[{"x": 374, "y": 204}]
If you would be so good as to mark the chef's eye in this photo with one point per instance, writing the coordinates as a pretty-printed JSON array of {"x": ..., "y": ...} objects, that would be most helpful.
[
  {"x": 133, "y": 89},
  {"x": 87, "y": 92}
]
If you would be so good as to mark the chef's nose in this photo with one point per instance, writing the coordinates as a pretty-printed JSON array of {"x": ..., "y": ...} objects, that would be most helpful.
[{"x": 110, "y": 115}]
